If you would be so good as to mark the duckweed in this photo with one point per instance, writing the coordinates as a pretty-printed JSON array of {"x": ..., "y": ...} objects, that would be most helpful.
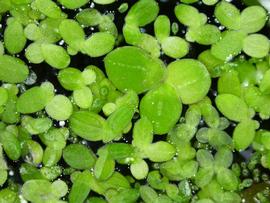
[
  {"x": 59, "y": 108},
  {"x": 142, "y": 70},
  {"x": 190, "y": 78},
  {"x": 13, "y": 70},
  {"x": 149, "y": 101},
  {"x": 57, "y": 57},
  {"x": 72, "y": 154}
]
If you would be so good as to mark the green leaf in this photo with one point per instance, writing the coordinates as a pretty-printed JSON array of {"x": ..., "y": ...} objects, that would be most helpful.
[
  {"x": 133, "y": 68},
  {"x": 204, "y": 176},
  {"x": 253, "y": 19},
  {"x": 218, "y": 138},
  {"x": 88, "y": 125},
  {"x": 14, "y": 38},
  {"x": 204, "y": 201},
  {"x": 205, "y": 158},
  {"x": 156, "y": 181},
  {"x": 80, "y": 188},
  {"x": 157, "y": 104},
  {"x": 211, "y": 62},
  {"x": 12, "y": 69},
  {"x": 188, "y": 1},
  {"x": 104, "y": 2},
  {"x": 139, "y": 169},
  {"x": 265, "y": 83},
  {"x": 56, "y": 56},
  {"x": 162, "y": 27},
  {"x": 51, "y": 156},
  {"x": 36, "y": 125},
  {"x": 189, "y": 169},
  {"x": 227, "y": 179},
  {"x": 265, "y": 160},
  {"x": 120, "y": 150},
  {"x": 71, "y": 79},
  {"x": 2, "y": 49},
  {"x": 59, "y": 188},
  {"x": 123, "y": 196},
  {"x": 265, "y": 138},
  {"x": 193, "y": 116},
  {"x": 229, "y": 83},
  {"x": 33, "y": 100},
  {"x": 50, "y": 30},
  {"x": 189, "y": 15},
  {"x": 256, "y": 45},
  {"x": 11, "y": 144},
  {"x": 89, "y": 17},
  {"x": 37, "y": 191},
  {"x": 244, "y": 134},
  {"x": 59, "y": 108},
  {"x": 49, "y": 8},
  {"x": 223, "y": 158},
  {"x": 259, "y": 102},
  {"x": 70, "y": 4},
  {"x": 175, "y": 47},
  {"x": 95, "y": 200},
  {"x": 72, "y": 33},
  {"x": 142, "y": 133},
  {"x": 132, "y": 34},
  {"x": 148, "y": 194},
  {"x": 9, "y": 196},
  {"x": 228, "y": 197},
  {"x": 149, "y": 44},
  {"x": 232, "y": 107},
  {"x": 34, "y": 54},
  {"x": 209, "y": 2},
  {"x": 32, "y": 151},
  {"x": 72, "y": 155},
  {"x": 104, "y": 166},
  {"x": 55, "y": 137},
  {"x": 107, "y": 25},
  {"x": 210, "y": 115},
  {"x": 204, "y": 34},
  {"x": 120, "y": 119},
  {"x": 182, "y": 72},
  {"x": 230, "y": 45},
  {"x": 98, "y": 44},
  {"x": 228, "y": 15},
  {"x": 123, "y": 7},
  {"x": 246, "y": 72},
  {"x": 160, "y": 151},
  {"x": 83, "y": 97},
  {"x": 174, "y": 169},
  {"x": 140, "y": 16},
  {"x": 163, "y": 199},
  {"x": 5, "y": 6}
]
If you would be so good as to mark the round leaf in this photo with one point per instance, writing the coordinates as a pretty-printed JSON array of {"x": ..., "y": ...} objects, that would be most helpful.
[
  {"x": 59, "y": 108},
  {"x": 55, "y": 56},
  {"x": 190, "y": 78},
  {"x": 12, "y": 69},
  {"x": 73, "y": 154},
  {"x": 157, "y": 104},
  {"x": 232, "y": 107},
  {"x": 132, "y": 68}
]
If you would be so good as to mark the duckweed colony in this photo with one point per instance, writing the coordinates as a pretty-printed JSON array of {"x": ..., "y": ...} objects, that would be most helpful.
[{"x": 135, "y": 101}]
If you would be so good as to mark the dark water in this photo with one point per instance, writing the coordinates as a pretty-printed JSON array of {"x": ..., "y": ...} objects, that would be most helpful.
[{"x": 80, "y": 61}]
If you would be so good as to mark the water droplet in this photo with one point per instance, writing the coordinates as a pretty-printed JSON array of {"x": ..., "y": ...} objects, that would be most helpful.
[
  {"x": 62, "y": 123},
  {"x": 11, "y": 173},
  {"x": 221, "y": 27},
  {"x": 92, "y": 5},
  {"x": 61, "y": 43}
]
